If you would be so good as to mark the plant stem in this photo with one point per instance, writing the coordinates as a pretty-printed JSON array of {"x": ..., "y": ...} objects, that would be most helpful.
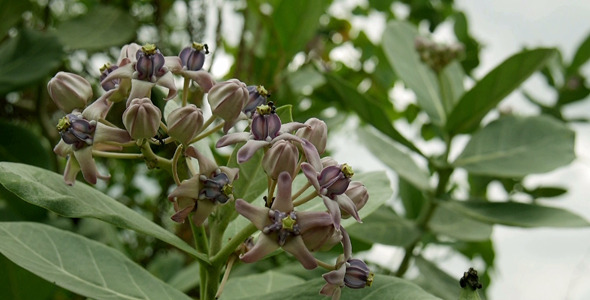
[
  {"x": 175, "y": 164},
  {"x": 233, "y": 244},
  {"x": 117, "y": 155},
  {"x": 207, "y": 123},
  {"x": 187, "y": 82},
  {"x": 207, "y": 133},
  {"x": 305, "y": 199},
  {"x": 324, "y": 265},
  {"x": 230, "y": 264},
  {"x": 151, "y": 159},
  {"x": 300, "y": 191}
]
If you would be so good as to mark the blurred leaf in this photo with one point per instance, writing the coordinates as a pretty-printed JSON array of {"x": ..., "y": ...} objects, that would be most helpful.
[
  {"x": 101, "y": 232},
  {"x": 27, "y": 58},
  {"x": 437, "y": 281},
  {"x": 412, "y": 199},
  {"x": 367, "y": 109},
  {"x": 453, "y": 224},
  {"x": 461, "y": 29},
  {"x": 398, "y": 43},
  {"x": 21, "y": 145},
  {"x": 385, "y": 227},
  {"x": 517, "y": 214},
  {"x": 165, "y": 264},
  {"x": 495, "y": 86},
  {"x": 48, "y": 190},
  {"x": 546, "y": 192},
  {"x": 11, "y": 13},
  {"x": 573, "y": 90},
  {"x": 469, "y": 294},
  {"x": 399, "y": 161},
  {"x": 17, "y": 283},
  {"x": 187, "y": 278},
  {"x": 81, "y": 265},
  {"x": 101, "y": 27},
  {"x": 581, "y": 57},
  {"x": 517, "y": 146},
  {"x": 258, "y": 284},
  {"x": 384, "y": 287},
  {"x": 451, "y": 84}
]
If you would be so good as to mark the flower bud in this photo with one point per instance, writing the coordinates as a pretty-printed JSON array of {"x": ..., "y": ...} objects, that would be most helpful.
[
  {"x": 357, "y": 274},
  {"x": 227, "y": 100},
  {"x": 69, "y": 91},
  {"x": 316, "y": 133},
  {"x": 334, "y": 180},
  {"x": 184, "y": 123},
  {"x": 257, "y": 95},
  {"x": 142, "y": 118},
  {"x": 357, "y": 192},
  {"x": 282, "y": 156},
  {"x": 193, "y": 58},
  {"x": 75, "y": 130},
  {"x": 150, "y": 63}
]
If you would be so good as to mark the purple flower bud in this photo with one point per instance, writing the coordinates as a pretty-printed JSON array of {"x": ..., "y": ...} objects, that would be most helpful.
[
  {"x": 316, "y": 132},
  {"x": 265, "y": 123},
  {"x": 193, "y": 58},
  {"x": 282, "y": 156},
  {"x": 257, "y": 95},
  {"x": 334, "y": 180},
  {"x": 142, "y": 118},
  {"x": 76, "y": 131},
  {"x": 184, "y": 123},
  {"x": 227, "y": 100},
  {"x": 69, "y": 91},
  {"x": 357, "y": 274},
  {"x": 150, "y": 63},
  {"x": 104, "y": 72},
  {"x": 357, "y": 192}
]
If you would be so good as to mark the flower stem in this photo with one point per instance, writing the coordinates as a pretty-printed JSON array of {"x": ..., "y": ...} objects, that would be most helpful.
[
  {"x": 207, "y": 123},
  {"x": 233, "y": 244},
  {"x": 175, "y": 164},
  {"x": 300, "y": 191},
  {"x": 117, "y": 155},
  {"x": 305, "y": 199},
  {"x": 187, "y": 82},
  {"x": 324, "y": 265},
  {"x": 207, "y": 133},
  {"x": 271, "y": 190},
  {"x": 151, "y": 159}
]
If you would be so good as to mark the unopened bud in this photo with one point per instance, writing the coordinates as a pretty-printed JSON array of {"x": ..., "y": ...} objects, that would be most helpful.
[
  {"x": 333, "y": 180},
  {"x": 281, "y": 157},
  {"x": 69, "y": 91},
  {"x": 142, "y": 118},
  {"x": 358, "y": 274},
  {"x": 227, "y": 100},
  {"x": 357, "y": 192},
  {"x": 184, "y": 123},
  {"x": 316, "y": 133}
]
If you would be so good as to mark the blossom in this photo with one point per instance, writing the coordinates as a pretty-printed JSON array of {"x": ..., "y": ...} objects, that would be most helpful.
[
  {"x": 281, "y": 226},
  {"x": 202, "y": 192},
  {"x": 257, "y": 95},
  {"x": 192, "y": 59}
]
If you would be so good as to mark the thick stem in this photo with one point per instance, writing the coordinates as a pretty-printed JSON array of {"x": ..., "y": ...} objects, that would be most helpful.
[
  {"x": 151, "y": 159},
  {"x": 221, "y": 256},
  {"x": 117, "y": 155},
  {"x": 187, "y": 82}
]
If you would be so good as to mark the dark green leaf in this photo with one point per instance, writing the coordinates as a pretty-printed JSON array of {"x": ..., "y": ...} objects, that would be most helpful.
[
  {"x": 258, "y": 284},
  {"x": 518, "y": 214},
  {"x": 11, "y": 13},
  {"x": 385, "y": 227},
  {"x": 494, "y": 87},
  {"x": 100, "y": 28},
  {"x": 461, "y": 29},
  {"x": 28, "y": 58},
  {"x": 48, "y": 190},
  {"x": 437, "y": 281},
  {"x": 546, "y": 192},
  {"x": 398, "y": 43},
  {"x": 517, "y": 146},
  {"x": 81, "y": 265},
  {"x": 21, "y": 145},
  {"x": 187, "y": 278},
  {"x": 17, "y": 283},
  {"x": 581, "y": 57},
  {"x": 412, "y": 199}
]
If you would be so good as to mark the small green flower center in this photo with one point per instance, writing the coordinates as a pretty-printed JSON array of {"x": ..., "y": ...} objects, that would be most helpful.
[
  {"x": 370, "y": 278},
  {"x": 63, "y": 124},
  {"x": 263, "y": 109},
  {"x": 288, "y": 222},
  {"x": 227, "y": 189},
  {"x": 262, "y": 91},
  {"x": 200, "y": 47},
  {"x": 149, "y": 49},
  {"x": 105, "y": 67},
  {"x": 347, "y": 170}
]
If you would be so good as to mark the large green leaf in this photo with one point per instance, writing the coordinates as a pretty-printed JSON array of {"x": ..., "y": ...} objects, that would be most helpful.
[
  {"x": 515, "y": 146},
  {"x": 517, "y": 214},
  {"x": 384, "y": 287},
  {"x": 81, "y": 265},
  {"x": 453, "y": 224},
  {"x": 385, "y": 227},
  {"x": 17, "y": 283},
  {"x": 394, "y": 158},
  {"x": 48, "y": 190},
  {"x": 398, "y": 43},
  {"x": 27, "y": 58},
  {"x": 11, "y": 13},
  {"x": 437, "y": 281},
  {"x": 451, "y": 84},
  {"x": 187, "y": 279},
  {"x": 258, "y": 284},
  {"x": 22, "y": 145},
  {"x": 100, "y": 28},
  {"x": 494, "y": 87}
]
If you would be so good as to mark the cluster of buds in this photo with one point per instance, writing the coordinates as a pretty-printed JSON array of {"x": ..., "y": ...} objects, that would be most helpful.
[
  {"x": 287, "y": 150},
  {"x": 437, "y": 56}
]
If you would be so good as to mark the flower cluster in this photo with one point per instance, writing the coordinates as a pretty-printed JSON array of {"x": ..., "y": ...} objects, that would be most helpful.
[{"x": 287, "y": 149}]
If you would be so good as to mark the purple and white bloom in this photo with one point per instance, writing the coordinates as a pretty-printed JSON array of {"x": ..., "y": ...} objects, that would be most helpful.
[
  {"x": 266, "y": 130},
  {"x": 331, "y": 183},
  {"x": 257, "y": 95},
  {"x": 281, "y": 226},
  {"x": 142, "y": 118},
  {"x": 202, "y": 192},
  {"x": 148, "y": 68},
  {"x": 69, "y": 91},
  {"x": 192, "y": 59},
  {"x": 227, "y": 100}
]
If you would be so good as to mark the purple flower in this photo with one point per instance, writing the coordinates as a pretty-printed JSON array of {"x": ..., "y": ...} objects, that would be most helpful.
[
  {"x": 331, "y": 183},
  {"x": 257, "y": 95},
  {"x": 202, "y": 192},
  {"x": 281, "y": 226},
  {"x": 192, "y": 59}
]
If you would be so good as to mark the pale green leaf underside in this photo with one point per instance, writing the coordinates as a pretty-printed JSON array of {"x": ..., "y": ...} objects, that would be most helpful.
[{"x": 258, "y": 284}]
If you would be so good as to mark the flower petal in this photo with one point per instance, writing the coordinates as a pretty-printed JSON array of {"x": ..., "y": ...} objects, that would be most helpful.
[
  {"x": 264, "y": 246},
  {"x": 283, "y": 200},
  {"x": 348, "y": 206},
  {"x": 292, "y": 126},
  {"x": 173, "y": 63},
  {"x": 99, "y": 108},
  {"x": 188, "y": 189},
  {"x": 181, "y": 215},
  {"x": 334, "y": 210},
  {"x": 312, "y": 219},
  {"x": 206, "y": 166},
  {"x": 105, "y": 133},
  {"x": 62, "y": 149},
  {"x": 167, "y": 81},
  {"x": 125, "y": 71},
  {"x": 232, "y": 173},
  {"x": 87, "y": 164},
  {"x": 232, "y": 138},
  {"x": 204, "y": 209},
  {"x": 297, "y": 248},
  {"x": 346, "y": 244},
  {"x": 139, "y": 89},
  {"x": 71, "y": 171},
  {"x": 201, "y": 77},
  {"x": 312, "y": 175},
  {"x": 336, "y": 277},
  {"x": 257, "y": 215},
  {"x": 248, "y": 150}
]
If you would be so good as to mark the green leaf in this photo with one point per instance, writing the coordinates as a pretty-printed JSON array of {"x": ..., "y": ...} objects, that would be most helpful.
[
  {"x": 258, "y": 284},
  {"x": 468, "y": 294},
  {"x": 398, "y": 43},
  {"x": 11, "y": 13},
  {"x": 28, "y": 58},
  {"x": 23, "y": 146},
  {"x": 385, "y": 227},
  {"x": 81, "y": 265},
  {"x": 252, "y": 180},
  {"x": 187, "y": 278},
  {"x": 515, "y": 146},
  {"x": 546, "y": 192},
  {"x": 494, "y": 87},
  {"x": 368, "y": 109},
  {"x": 412, "y": 198},
  {"x": 517, "y": 214},
  {"x": 47, "y": 189},
  {"x": 581, "y": 57},
  {"x": 451, "y": 84},
  {"x": 100, "y": 28},
  {"x": 437, "y": 281},
  {"x": 394, "y": 158},
  {"x": 384, "y": 287},
  {"x": 453, "y": 224},
  {"x": 17, "y": 283}
]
